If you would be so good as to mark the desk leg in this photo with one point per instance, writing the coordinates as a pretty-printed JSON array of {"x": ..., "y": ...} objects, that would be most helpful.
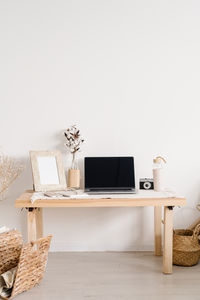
[
  {"x": 168, "y": 240},
  {"x": 31, "y": 220},
  {"x": 35, "y": 224},
  {"x": 158, "y": 230},
  {"x": 39, "y": 223}
]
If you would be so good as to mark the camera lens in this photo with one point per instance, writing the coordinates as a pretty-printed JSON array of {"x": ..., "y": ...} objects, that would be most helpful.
[{"x": 147, "y": 185}]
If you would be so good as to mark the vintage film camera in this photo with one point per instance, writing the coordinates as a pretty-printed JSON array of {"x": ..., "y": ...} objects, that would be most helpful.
[{"x": 146, "y": 184}]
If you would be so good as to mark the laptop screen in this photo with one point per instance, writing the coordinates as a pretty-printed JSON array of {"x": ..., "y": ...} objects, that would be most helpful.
[{"x": 109, "y": 173}]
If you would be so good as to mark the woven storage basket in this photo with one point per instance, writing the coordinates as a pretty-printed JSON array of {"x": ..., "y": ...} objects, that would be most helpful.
[
  {"x": 10, "y": 249},
  {"x": 186, "y": 248},
  {"x": 30, "y": 263}
]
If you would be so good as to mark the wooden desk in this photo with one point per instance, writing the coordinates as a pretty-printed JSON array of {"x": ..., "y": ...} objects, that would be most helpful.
[{"x": 35, "y": 222}]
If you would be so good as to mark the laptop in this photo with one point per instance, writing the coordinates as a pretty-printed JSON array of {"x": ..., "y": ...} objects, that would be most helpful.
[{"x": 109, "y": 175}]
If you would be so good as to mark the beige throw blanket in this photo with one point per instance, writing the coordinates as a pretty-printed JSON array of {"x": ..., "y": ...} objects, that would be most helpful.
[{"x": 6, "y": 282}]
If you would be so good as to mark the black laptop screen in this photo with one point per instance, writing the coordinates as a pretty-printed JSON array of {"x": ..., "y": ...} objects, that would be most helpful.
[{"x": 109, "y": 173}]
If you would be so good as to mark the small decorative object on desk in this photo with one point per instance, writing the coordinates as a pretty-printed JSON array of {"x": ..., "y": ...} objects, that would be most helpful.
[
  {"x": 48, "y": 171},
  {"x": 73, "y": 143},
  {"x": 9, "y": 171},
  {"x": 146, "y": 184},
  {"x": 158, "y": 173}
]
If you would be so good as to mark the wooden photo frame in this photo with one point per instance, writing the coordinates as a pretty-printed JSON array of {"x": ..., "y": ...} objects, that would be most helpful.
[{"x": 48, "y": 171}]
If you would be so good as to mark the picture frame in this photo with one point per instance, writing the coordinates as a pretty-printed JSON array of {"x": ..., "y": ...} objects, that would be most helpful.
[{"x": 48, "y": 171}]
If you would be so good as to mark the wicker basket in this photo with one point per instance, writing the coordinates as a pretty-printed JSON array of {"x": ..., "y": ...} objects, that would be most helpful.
[
  {"x": 30, "y": 262},
  {"x": 10, "y": 249},
  {"x": 186, "y": 248}
]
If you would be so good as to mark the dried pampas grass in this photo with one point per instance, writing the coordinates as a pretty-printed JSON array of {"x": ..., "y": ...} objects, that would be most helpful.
[{"x": 9, "y": 171}]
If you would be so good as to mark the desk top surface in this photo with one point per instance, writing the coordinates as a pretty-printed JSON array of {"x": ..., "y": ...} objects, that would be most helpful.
[{"x": 142, "y": 198}]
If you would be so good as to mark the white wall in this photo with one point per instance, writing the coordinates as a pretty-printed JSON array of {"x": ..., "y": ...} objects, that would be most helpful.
[{"x": 127, "y": 73}]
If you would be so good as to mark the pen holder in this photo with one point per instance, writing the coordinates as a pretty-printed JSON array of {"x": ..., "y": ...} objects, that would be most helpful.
[{"x": 73, "y": 178}]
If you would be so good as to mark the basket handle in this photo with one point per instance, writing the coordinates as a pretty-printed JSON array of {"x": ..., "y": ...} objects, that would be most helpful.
[
  {"x": 196, "y": 231},
  {"x": 40, "y": 240}
]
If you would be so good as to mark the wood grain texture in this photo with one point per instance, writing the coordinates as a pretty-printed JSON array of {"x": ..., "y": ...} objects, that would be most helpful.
[
  {"x": 35, "y": 229},
  {"x": 24, "y": 201},
  {"x": 31, "y": 222},
  {"x": 168, "y": 241},
  {"x": 39, "y": 223},
  {"x": 158, "y": 230}
]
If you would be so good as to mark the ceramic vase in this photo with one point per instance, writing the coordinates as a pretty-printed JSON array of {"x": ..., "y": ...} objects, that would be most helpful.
[{"x": 73, "y": 177}]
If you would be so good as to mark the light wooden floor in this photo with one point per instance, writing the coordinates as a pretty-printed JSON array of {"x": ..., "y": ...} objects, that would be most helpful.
[{"x": 114, "y": 276}]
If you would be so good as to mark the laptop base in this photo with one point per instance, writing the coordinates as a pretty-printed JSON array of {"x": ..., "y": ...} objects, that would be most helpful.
[{"x": 105, "y": 192}]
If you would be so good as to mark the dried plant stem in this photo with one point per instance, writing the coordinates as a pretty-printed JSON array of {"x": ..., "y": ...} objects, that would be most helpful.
[
  {"x": 9, "y": 171},
  {"x": 73, "y": 143}
]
